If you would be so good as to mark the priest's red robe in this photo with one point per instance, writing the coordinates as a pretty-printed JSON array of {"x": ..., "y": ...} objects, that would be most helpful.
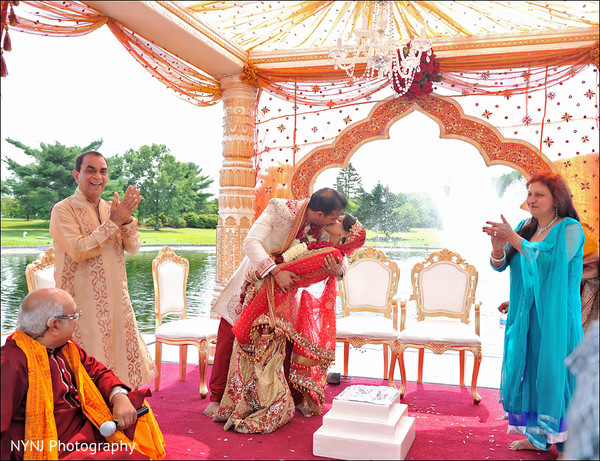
[{"x": 74, "y": 430}]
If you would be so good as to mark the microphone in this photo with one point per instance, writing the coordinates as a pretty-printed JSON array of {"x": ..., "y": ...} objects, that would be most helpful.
[{"x": 110, "y": 427}]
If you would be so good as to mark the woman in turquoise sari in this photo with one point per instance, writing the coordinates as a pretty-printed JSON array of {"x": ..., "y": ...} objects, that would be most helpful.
[{"x": 543, "y": 325}]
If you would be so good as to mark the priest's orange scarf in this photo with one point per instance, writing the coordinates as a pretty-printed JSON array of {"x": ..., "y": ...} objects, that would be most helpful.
[{"x": 40, "y": 426}]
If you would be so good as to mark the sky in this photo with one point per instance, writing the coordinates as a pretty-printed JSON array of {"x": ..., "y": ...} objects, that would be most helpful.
[{"x": 78, "y": 89}]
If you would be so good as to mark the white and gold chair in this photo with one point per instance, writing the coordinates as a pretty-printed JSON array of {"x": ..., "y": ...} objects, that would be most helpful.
[
  {"x": 444, "y": 291},
  {"x": 40, "y": 273},
  {"x": 369, "y": 286},
  {"x": 170, "y": 274}
]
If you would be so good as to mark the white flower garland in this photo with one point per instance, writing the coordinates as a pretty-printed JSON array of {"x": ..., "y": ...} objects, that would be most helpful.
[{"x": 294, "y": 252}]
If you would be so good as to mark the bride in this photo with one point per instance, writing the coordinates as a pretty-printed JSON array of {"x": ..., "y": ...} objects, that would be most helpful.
[{"x": 257, "y": 397}]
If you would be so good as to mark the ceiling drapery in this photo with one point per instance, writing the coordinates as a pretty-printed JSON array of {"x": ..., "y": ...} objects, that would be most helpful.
[
  {"x": 72, "y": 18},
  {"x": 266, "y": 25}
]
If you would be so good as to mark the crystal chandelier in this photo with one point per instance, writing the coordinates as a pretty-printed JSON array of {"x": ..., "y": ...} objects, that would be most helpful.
[{"x": 376, "y": 42}]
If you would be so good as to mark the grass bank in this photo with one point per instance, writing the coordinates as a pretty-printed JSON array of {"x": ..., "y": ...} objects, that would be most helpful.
[{"x": 13, "y": 234}]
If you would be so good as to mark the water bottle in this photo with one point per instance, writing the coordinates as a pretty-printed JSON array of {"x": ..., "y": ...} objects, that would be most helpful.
[{"x": 502, "y": 322}]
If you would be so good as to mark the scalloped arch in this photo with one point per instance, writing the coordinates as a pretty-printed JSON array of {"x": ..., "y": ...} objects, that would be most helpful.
[{"x": 454, "y": 124}]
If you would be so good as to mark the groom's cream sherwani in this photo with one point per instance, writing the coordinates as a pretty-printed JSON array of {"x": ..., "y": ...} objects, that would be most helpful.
[{"x": 268, "y": 232}]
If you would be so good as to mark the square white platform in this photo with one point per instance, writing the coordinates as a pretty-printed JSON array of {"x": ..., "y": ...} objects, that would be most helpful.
[{"x": 365, "y": 422}]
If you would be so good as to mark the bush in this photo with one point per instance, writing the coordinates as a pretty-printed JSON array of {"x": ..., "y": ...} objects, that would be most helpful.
[
  {"x": 190, "y": 218},
  {"x": 207, "y": 221},
  {"x": 177, "y": 222}
]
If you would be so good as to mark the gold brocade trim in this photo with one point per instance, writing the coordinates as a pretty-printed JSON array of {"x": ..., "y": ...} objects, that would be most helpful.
[
  {"x": 325, "y": 356},
  {"x": 303, "y": 361}
]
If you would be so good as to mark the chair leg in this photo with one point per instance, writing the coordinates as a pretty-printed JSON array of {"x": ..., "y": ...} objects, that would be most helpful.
[
  {"x": 402, "y": 371},
  {"x": 157, "y": 364},
  {"x": 346, "y": 357},
  {"x": 385, "y": 361},
  {"x": 203, "y": 366},
  {"x": 461, "y": 356},
  {"x": 392, "y": 365},
  {"x": 420, "y": 374},
  {"x": 476, "y": 364},
  {"x": 392, "y": 368},
  {"x": 182, "y": 361}
]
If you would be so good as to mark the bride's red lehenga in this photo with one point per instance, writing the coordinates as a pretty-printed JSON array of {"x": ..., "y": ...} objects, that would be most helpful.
[{"x": 257, "y": 397}]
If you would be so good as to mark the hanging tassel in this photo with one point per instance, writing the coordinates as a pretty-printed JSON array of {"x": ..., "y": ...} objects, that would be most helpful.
[
  {"x": 12, "y": 17},
  {"x": 3, "y": 72},
  {"x": 6, "y": 46}
]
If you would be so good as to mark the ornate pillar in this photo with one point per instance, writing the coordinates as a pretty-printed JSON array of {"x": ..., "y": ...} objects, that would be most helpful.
[{"x": 237, "y": 177}]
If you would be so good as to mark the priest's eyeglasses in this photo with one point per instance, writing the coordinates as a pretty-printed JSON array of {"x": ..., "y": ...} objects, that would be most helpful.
[{"x": 73, "y": 316}]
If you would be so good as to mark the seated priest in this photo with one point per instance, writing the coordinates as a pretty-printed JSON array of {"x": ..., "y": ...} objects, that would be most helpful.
[{"x": 55, "y": 397}]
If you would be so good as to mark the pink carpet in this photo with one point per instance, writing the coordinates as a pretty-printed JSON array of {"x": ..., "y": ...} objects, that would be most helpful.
[{"x": 448, "y": 424}]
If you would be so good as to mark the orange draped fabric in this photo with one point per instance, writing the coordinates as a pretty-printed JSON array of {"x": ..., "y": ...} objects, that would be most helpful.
[
  {"x": 72, "y": 18},
  {"x": 193, "y": 85},
  {"x": 492, "y": 74},
  {"x": 59, "y": 19}
]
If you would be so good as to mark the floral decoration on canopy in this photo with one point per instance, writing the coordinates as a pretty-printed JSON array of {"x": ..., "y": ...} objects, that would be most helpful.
[{"x": 427, "y": 73}]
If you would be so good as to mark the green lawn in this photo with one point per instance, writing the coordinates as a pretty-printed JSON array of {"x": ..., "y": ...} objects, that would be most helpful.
[
  {"x": 414, "y": 238},
  {"x": 37, "y": 234}
]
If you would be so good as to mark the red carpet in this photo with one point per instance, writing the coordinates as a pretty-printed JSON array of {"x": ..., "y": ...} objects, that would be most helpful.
[{"x": 448, "y": 425}]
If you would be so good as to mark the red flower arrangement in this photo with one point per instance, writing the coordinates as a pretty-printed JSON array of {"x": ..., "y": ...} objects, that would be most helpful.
[
  {"x": 318, "y": 244},
  {"x": 422, "y": 83},
  {"x": 314, "y": 231}
]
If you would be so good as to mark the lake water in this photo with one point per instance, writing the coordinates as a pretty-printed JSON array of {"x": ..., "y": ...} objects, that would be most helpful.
[{"x": 492, "y": 288}]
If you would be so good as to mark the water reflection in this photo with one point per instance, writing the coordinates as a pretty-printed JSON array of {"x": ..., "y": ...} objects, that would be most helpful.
[
  {"x": 139, "y": 275},
  {"x": 491, "y": 290}
]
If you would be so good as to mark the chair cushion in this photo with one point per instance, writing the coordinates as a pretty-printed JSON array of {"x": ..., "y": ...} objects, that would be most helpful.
[
  {"x": 367, "y": 284},
  {"x": 44, "y": 278},
  {"x": 365, "y": 326},
  {"x": 195, "y": 328},
  {"x": 440, "y": 331},
  {"x": 444, "y": 287},
  {"x": 171, "y": 287}
]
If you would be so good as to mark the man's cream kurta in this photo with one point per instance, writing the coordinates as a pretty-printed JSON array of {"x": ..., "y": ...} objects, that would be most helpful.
[{"x": 90, "y": 266}]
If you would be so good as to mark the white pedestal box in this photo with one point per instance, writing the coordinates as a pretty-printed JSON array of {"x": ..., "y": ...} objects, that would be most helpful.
[{"x": 365, "y": 422}]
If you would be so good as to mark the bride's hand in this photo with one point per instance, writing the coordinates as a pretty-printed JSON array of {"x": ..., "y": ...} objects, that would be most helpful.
[{"x": 332, "y": 266}]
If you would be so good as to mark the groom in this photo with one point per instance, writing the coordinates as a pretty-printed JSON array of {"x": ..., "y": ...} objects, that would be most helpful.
[{"x": 267, "y": 233}]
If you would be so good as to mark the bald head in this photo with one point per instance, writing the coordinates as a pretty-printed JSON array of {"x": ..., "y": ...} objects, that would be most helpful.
[{"x": 39, "y": 306}]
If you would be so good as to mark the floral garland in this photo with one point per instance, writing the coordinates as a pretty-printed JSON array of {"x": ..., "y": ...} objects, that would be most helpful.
[
  {"x": 300, "y": 249},
  {"x": 422, "y": 82},
  {"x": 314, "y": 231}
]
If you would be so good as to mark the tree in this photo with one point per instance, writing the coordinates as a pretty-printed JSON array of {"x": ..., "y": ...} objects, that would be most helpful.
[
  {"x": 169, "y": 187},
  {"x": 38, "y": 185},
  {"x": 377, "y": 210},
  {"x": 503, "y": 181},
  {"x": 427, "y": 213},
  {"x": 349, "y": 182},
  {"x": 387, "y": 212}
]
